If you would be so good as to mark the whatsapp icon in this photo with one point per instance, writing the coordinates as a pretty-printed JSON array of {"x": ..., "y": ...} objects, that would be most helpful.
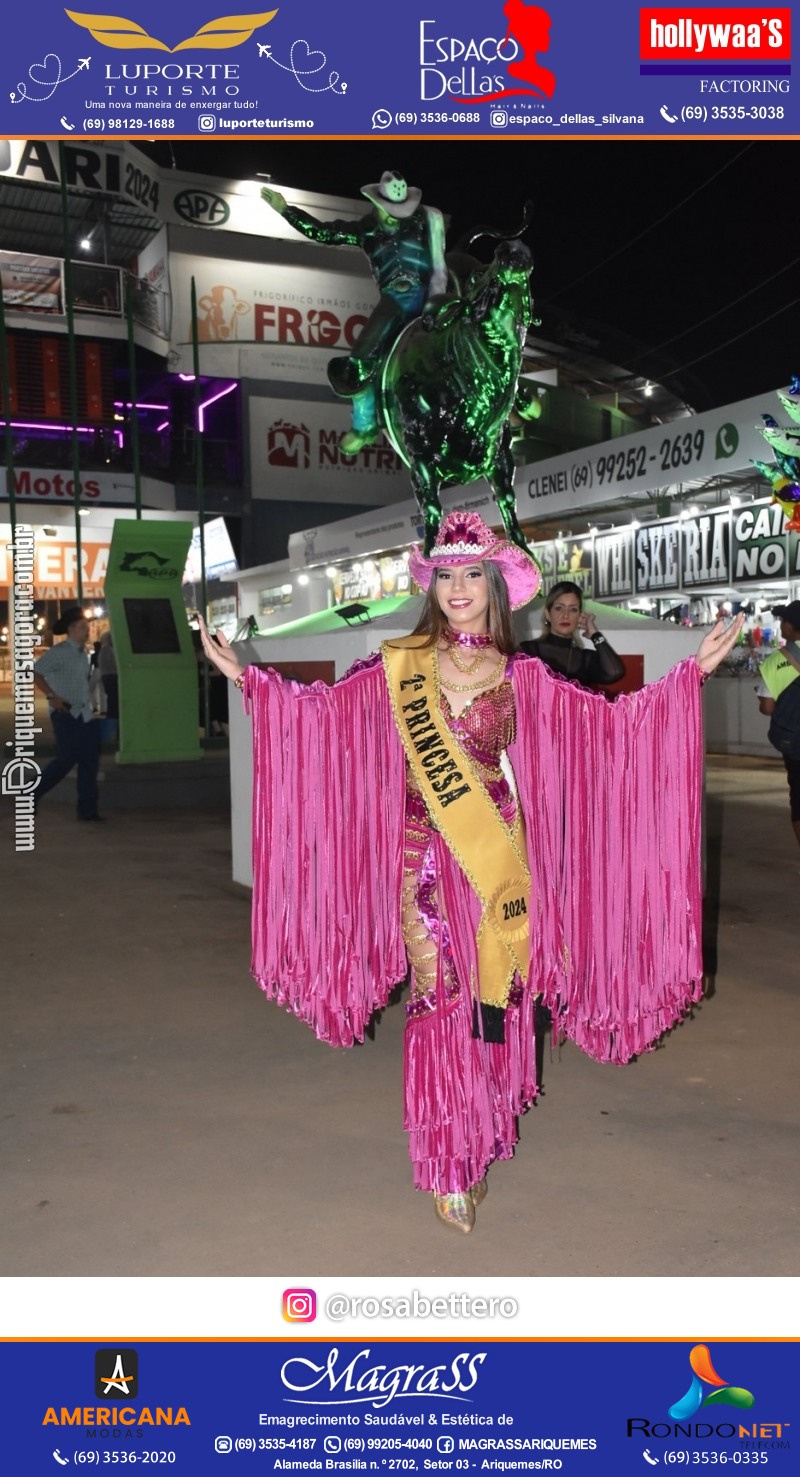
[{"x": 727, "y": 441}]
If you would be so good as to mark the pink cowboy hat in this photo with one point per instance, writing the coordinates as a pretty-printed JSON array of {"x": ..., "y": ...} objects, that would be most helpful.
[{"x": 464, "y": 538}]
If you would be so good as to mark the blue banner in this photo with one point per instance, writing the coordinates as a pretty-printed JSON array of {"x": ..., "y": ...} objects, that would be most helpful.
[
  {"x": 386, "y": 1407},
  {"x": 465, "y": 68}
]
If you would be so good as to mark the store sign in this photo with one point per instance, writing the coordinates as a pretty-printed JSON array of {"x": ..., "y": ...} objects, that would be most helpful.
[
  {"x": 705, "y": 550},
  {"x": 37, "y": 485},
  {"x": 122, "y": 172},
  {"x": 719, "y": 442},
  {"x": 31, "y": 284},
  {"x": 613, "y": 564},
  {"x": 56, "y": 565},
  {"x": 294, "y": 452},
  {"x": 721, "y": 549},
  {"x": 372, "y": 579},
  {"x": 220, "y": 559},
  {"x": 574, "y": 562},
  {"x": 657, "y": 557},
  {"x": 296, "y": 317},
  {"x": 760, "y": 550}
]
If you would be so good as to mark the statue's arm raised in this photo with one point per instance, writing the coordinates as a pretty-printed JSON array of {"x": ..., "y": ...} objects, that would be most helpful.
[{"x": 330, "y": 233}]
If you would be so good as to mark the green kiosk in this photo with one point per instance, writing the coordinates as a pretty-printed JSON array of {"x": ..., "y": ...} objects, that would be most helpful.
[{"x": 156, "y": 662}]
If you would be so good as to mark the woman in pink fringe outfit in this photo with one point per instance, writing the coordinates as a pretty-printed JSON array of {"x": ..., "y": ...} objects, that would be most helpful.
[{"x": 453, "y": 807}]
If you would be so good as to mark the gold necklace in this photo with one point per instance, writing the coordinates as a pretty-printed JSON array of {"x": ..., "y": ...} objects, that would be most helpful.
[
  {"x": 496, "y": 672},
  {"x": 466, "y": 667}
]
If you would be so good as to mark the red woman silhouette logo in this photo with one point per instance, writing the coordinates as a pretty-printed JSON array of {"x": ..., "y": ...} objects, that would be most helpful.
[{"x": 530, "y": 27}]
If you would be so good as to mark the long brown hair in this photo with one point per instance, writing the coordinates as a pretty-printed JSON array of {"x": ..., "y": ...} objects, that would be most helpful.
[{"x": 433, "y": 621}]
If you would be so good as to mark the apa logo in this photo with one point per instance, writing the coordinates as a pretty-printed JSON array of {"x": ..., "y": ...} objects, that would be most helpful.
[
  {"x": 201, "y": 208},
  {"x": 126, "y": 35},
  {"x": 703, "y": 1374},
  {"x": 289, "y": 446}
]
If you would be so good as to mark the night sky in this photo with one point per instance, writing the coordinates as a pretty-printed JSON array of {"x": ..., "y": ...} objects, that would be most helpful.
[{"x": 643, "y": 238}]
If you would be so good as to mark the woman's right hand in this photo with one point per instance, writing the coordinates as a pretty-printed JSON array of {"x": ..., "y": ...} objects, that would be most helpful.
[{"x": 219, "y": 652}]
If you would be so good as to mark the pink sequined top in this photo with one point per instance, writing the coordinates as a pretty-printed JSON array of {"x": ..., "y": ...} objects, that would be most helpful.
[{"x": 484, "y": 728}]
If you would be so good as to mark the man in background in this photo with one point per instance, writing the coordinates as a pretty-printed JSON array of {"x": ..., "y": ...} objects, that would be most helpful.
[{"x": 62, "y": 674}]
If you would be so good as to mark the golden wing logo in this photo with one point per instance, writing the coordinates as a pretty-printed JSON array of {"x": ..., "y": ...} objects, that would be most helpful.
[{"x": 125, "y": 35}]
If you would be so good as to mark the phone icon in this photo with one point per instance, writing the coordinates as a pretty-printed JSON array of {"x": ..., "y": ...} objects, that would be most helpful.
[
  {"x": 70, "y": 127},
  {"x": 653, "y": 1460},
  {"x": 59, "y": 1458},
  {"x": 665, "y": 113}
]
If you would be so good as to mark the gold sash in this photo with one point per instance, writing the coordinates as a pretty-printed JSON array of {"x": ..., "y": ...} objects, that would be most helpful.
[{"x": 489, "y": 852}]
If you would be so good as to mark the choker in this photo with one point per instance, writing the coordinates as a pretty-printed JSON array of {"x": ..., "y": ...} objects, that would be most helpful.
[{"x": 466, "y": 638}]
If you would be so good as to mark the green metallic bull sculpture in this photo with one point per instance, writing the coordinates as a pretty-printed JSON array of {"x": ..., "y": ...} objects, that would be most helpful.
[{"x": 449, "y": 386}]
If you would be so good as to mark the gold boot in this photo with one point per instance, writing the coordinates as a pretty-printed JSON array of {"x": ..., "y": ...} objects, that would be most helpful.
[
  {"x": 455, "y": 1210},
  {"x": 479, "y": 1192}
]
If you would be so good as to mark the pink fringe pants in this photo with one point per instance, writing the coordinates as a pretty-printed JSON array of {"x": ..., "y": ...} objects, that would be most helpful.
[{"x": 463, "y": 1095}]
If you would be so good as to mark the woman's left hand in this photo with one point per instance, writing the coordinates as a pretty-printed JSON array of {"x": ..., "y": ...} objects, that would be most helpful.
[
  {"x": 219, "y": 652},
  {"x": 718, "y": 643},
  {"x": 588, "y": 624}
]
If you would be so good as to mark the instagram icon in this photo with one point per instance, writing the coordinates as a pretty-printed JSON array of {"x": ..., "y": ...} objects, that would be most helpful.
[{"x": 299, "y": 1305}]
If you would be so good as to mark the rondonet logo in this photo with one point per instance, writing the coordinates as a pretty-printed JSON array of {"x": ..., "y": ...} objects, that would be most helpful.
[
  {"x": 127, "y": 35},
  {"x": 360, "y": 1383},
  {"x": 698, "y": 1393},
  {"x": 719, "y": 33}
]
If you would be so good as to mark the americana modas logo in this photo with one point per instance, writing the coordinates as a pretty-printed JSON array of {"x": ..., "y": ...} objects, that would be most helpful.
[
  {"x": 116, "y": 1374},
  {"x": 126, "y": 35},
  {"x": 699, "y": 1394}
]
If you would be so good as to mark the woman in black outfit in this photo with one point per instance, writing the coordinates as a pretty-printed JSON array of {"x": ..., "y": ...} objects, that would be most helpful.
[{"x": 558, "y": 648}]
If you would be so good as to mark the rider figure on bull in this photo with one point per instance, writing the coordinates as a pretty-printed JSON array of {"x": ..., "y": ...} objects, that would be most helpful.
[{"x": 404, "y": 243}]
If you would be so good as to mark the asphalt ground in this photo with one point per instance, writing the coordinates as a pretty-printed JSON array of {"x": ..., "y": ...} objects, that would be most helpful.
[{"x": 161, "y": 1118}]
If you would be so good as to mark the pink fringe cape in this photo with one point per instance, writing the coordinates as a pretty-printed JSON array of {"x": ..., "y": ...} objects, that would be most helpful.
[{"x": 610, "y": 794}]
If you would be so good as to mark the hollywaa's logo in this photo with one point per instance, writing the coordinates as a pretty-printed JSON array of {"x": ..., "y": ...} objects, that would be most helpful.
[
  {"x": 127, "y": 35},
  {"x": 704, "y": 1374}
]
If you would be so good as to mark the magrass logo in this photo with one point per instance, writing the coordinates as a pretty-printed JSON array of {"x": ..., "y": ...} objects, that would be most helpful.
[
  {"x": 116, "y": 1374},
  {"x": 704, "y": 1374},
  {"x": 126, "y": 35}
]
